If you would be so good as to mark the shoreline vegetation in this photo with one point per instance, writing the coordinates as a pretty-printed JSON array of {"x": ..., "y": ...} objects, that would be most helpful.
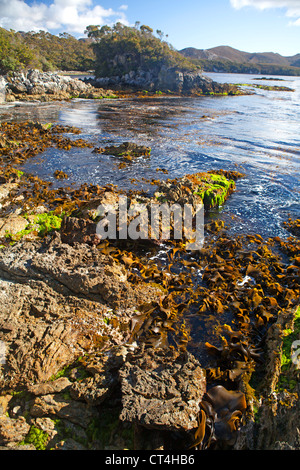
[
  {"x": 49, "y": 53},
  {"x": 126, "y": 60},
  {"x": 98, "y": 344}
]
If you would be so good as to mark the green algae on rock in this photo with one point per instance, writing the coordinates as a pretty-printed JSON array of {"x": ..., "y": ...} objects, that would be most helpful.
[
  {"x": 37, "y": 225},
  {"x": 210, "y": 188}
]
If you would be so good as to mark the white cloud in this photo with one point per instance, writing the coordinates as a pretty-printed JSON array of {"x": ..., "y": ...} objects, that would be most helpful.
[
  {"x": 292, "y": 7},
  {"x": 71, "y": 16}
]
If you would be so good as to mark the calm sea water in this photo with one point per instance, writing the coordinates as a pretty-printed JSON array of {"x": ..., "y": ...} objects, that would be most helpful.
[{"x": 256, "y": 134}]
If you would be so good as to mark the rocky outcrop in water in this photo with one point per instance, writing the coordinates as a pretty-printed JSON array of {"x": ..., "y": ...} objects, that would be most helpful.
[
  {"x": 47, "y": 86},
  {"x": 166, "y": 80}
]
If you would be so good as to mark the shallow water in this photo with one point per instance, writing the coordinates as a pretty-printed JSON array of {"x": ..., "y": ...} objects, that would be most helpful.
[{"x": 255, "y": 134}]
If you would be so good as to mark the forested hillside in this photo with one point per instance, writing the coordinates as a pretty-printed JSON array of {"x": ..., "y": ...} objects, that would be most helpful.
[
  {"x": 44, "y": 51},
  {"x": 122, "y": 49}
]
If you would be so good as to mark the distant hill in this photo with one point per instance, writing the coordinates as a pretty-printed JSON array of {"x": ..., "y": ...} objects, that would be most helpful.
[
  {"x": 225, "y": 58},
  {"x": 234, "y": 55}
]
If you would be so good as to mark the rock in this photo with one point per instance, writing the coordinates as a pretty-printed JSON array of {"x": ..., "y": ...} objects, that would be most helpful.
[
  {"x": 47, "y": 388},
  {"x": 57, "y": 406},
  {"x": 56, "y": 303},
  {"x": 94, "y": 390},
  {"x": 74, "y": 230},
  {"x": 47, "y": 425},
  {"x": 4, "y": 401},
  {"x": 13, "y": 430},
  {"x": 6, "y": 188},
  {"x": 13, "y": 446},
  {"x": 162, "y": 390},
  {"x": 12, "y": 224},
  {"x": 165, "y": 79},
  {"x": 69, "y": 444},
  {"x": 46, "y": 86},
  {"x": 2, "y": 89},
  {"x": 127, "y": 149}
]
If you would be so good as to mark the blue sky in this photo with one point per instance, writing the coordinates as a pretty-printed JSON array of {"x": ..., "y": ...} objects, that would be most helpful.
[{"x": 248, "y": 25}]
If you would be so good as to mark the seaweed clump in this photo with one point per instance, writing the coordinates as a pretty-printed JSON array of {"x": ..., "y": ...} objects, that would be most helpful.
[{"x": 20, "y": 141}]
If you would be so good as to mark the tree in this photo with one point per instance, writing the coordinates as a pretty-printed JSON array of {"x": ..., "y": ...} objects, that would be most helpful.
[
  {"x": 123, "y": 49},
  {"x": 160, "y": 34},
  {"x": 146, "y": 29}
]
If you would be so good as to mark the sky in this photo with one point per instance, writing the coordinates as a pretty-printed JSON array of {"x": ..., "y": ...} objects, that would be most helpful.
[{"x": 247, "y": 25}]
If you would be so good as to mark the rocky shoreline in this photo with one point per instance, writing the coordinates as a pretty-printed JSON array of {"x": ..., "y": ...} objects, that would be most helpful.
[
  {"x": 34, "y": 85},
  {"x": 98, "y": 350}
]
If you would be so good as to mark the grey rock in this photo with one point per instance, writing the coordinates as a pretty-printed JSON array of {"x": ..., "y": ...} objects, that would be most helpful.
[
  {"x": 166, "y": 79},
  {"x": 35, "y": 82}
]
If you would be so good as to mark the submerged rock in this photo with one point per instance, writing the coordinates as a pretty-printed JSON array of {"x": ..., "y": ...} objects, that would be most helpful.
[{"x": 127, "y": 149}]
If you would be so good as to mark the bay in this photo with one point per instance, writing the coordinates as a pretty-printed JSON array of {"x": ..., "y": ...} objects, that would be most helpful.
[{"x": 256, "y": 134}]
